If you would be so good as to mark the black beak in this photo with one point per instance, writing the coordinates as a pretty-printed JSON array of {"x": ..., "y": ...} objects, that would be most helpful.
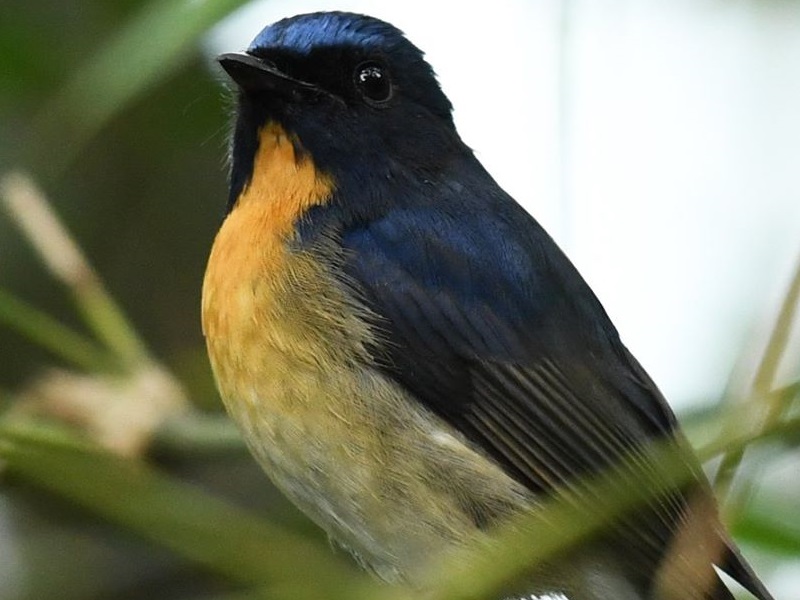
[{"x": 255, "y": 75}]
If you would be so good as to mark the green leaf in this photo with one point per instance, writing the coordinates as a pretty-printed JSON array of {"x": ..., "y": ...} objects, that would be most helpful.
[
  {"x": 195, "y": 525},
  {"x": 153, "y": 44},
  {"x": 771, "y": 524},
  {"x": 44, "y": 330}
]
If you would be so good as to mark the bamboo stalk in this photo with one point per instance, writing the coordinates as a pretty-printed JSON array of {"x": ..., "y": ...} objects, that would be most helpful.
[
  {"x": 44, "y": 330},
  {"x": 30, "y": 210}
]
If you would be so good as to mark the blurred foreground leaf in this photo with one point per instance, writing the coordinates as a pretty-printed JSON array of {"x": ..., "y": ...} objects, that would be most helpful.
[
  {"x": 30, "y": 210},
  {"x": 153, "y": 44},
  {"x": 226, "y": 539},
  {"x": 772, "y": 524},
  {"x": 770, "y": 406},
  {"x": 248, "y": 550},
  {"x": 51, "y": 334}
]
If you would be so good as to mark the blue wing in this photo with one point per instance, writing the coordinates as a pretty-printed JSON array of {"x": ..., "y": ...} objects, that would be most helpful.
[
  {"x": 491, "y": 327},
  {"x": 485, "y": 321}
]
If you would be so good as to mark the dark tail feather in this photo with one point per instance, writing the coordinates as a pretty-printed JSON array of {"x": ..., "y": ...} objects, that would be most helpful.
[
  {"x": 736, "y": 566},
  {"x": 721, "y": 592}
]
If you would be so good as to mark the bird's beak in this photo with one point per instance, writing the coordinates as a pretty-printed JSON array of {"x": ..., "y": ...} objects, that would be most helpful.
[{"x": 255, "y": 75}]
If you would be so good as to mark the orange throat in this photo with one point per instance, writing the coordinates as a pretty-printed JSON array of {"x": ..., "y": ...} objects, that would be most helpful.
[{"x": 250, "y": 248}]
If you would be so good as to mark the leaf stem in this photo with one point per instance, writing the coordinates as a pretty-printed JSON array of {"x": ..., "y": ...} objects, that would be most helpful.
[
  {"x": 30, "y": 210},
  {"x": 49, "y": 333}
]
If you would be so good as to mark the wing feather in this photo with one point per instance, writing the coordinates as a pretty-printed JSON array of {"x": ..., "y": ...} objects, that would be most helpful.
[{"x": 501, "y": 337}]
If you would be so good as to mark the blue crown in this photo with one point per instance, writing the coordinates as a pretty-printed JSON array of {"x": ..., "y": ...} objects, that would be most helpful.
[{"x": 301, "y": 33}]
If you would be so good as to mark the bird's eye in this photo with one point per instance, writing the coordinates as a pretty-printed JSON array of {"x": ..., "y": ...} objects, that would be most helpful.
[{"x": 372, "y": 80}]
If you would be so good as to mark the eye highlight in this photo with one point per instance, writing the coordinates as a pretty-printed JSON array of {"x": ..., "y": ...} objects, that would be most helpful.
[{"x": 373, "y": 82}]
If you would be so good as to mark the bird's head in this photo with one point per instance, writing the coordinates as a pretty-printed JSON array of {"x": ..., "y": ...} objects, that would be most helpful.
[{"x": 349, "y": 90}]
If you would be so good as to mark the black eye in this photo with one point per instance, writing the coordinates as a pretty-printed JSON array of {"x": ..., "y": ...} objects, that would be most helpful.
[{"x": 372, "y": 80}]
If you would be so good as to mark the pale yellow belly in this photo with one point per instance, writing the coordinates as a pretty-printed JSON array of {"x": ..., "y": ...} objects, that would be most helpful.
[
  {"x": 384, "y": 479},
  {"x": 381, "y": 474}
]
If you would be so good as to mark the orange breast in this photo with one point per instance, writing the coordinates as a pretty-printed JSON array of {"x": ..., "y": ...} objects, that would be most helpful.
[
  {"x": 289, "y": 346},
  {"x": 251, "y": 246}
]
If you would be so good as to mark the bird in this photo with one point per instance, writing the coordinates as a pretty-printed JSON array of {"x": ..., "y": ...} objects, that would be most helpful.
[{"x": 408, "y": 354}]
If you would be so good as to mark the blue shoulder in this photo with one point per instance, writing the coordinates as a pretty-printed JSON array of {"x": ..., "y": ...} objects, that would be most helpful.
[{"x": 477, "y": 309}]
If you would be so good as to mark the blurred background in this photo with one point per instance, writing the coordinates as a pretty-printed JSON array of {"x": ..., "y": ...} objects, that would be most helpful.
[{"x": 659, "y": 143}]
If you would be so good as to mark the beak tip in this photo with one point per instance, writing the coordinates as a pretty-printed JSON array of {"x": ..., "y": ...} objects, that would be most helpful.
[
  {"x": 246, "y": 71},
  {"x": 251, "y": 73},
  {"x": 231, "y": 56},
  {"x": 230, "y": 61}
]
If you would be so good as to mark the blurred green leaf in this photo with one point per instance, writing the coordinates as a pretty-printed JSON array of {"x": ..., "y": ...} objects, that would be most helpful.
[
  {"x": 48, "y": 332},
  {"x": 198, "y": 434},
  {"x": 153, "y": 44},
  {"x": 250, "y": 551},
  {"x": 773, "y": 406},
  {"x": 772, "y": 524},
  {"x": 179, "y": 516}
]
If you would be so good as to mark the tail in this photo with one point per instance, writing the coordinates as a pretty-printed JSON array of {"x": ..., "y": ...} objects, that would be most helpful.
[
  {"x": 736, "y": 566},
  {"x": 699, "y": 543}
]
